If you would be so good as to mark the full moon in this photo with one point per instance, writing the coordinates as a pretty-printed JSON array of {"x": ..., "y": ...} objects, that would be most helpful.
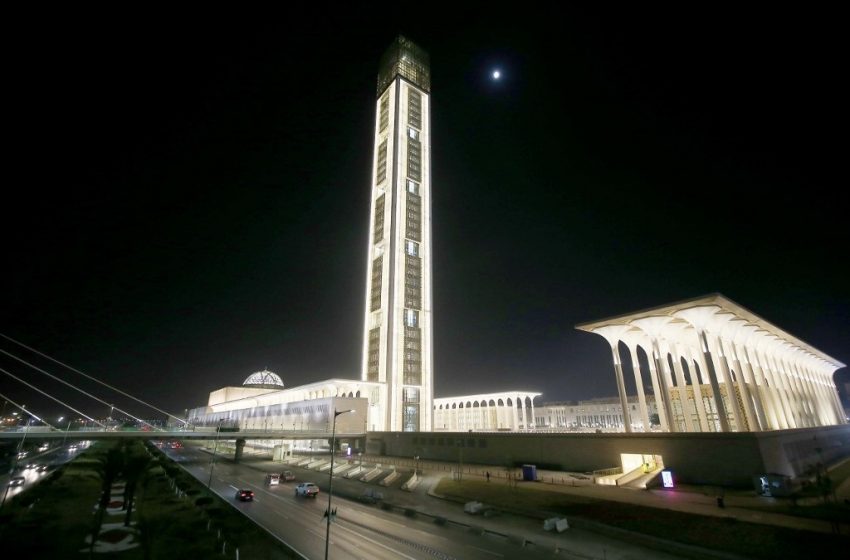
[{"x": 496, "y": 74}]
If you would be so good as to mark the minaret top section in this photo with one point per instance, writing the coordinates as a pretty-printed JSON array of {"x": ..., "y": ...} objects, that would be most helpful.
[{"x": 406, "y": 59}]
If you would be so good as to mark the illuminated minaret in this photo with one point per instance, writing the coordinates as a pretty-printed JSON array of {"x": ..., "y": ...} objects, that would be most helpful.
[{"x": 397, "y": 346}]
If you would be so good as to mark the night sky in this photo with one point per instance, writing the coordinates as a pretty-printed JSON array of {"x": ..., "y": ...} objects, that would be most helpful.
[{"x": 186, "y": 197}]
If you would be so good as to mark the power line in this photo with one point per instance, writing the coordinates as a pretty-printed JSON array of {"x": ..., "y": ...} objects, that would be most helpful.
[
  {"x": 51, "y": 396},
  {"x": 75, "y": 370},
  {"x": 98, "y": 399}
]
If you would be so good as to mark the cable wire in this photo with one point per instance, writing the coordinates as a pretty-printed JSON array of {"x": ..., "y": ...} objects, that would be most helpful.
[
  {"x": 24, "y": 408},
  {"x": 50, "y": 375},
  {"x": 51, "y": 397},
  {"x": 75, "y": 370}
]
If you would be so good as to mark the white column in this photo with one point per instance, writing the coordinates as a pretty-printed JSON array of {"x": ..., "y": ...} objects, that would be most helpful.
[
  {"x": 612, "y": 334},
  {"x": 654, "y": 327},
  {"x": 644, "y": 413},
  {"x": 748, "y": 412},
  {"x": 791, "y": 355},
  {"x": 784, "y": 391},
  {"x": 682, "y": 387},
  {"x": 794, "y": 382},
  {"x": 699, "y": 318},
  {"x": 773, "y": 389},
  {"x": 699, "y": 402},
  {"x": 731, "y": 393},
  {"x": 514, "y": 415},
  {"x": 762, "y": 401},
  {"x": 533, "y": 419}
]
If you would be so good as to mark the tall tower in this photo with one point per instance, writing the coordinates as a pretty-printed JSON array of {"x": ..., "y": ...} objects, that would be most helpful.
[{"x": 397, "y": 345}]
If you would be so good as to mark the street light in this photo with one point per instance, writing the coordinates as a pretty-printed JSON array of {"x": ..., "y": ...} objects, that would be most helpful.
[
  {"x": 67, "y": 428},
  {"x": 331, "y": 481},
  {"x": 215, "y": 450}
]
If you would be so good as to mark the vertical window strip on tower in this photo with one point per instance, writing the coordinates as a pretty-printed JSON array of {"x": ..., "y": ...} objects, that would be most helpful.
[
  {"x": 412, "y": 282},
  {"x": 384, "y": 112},
  {"x": 410, "y": 413},
  {"x": 414, "y": 217},
  {"x": 379, "y": 220},
  {"x": 414, "y": 159},
  {"x": 382, "y": 163},
  {"x": 414, "y": 108},
  {"x": 374, "y": 354},
  {"x": 377, "y": 275}
]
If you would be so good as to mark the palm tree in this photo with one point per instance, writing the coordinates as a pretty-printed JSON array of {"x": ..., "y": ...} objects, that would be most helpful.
[
  {"x": 110, "y": 467},
  {"x": 135, "y": 470}
]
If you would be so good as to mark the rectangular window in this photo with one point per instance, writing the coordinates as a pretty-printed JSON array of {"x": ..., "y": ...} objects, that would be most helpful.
[
  {"x": 412, "y": 187},
  {"x": 379, "y": 220},
  {"x": 385, "y": 113},
  {"x": 413, "y": 133},
  {"x": 411, "y": 248},
  {"x": 377, "y": 275},
  {"x": 411, "y": 318},
  {"x": 382, "y": 163}
]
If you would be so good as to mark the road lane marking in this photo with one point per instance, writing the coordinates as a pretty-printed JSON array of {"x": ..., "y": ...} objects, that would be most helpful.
[
  {"x": 364, "y": 537},
  {"x": 487, "y": 551}
]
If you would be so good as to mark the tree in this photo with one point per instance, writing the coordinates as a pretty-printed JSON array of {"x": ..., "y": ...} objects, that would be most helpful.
[
  {"x": 109, "y": 468},
  {"x": 136, "y": 468}
]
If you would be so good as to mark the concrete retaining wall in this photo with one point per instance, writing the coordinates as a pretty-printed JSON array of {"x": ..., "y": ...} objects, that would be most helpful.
[{"x": 730, "y": 459}]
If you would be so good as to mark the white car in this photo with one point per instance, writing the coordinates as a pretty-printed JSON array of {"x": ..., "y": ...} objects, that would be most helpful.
[{"x": 307, "y": 489}]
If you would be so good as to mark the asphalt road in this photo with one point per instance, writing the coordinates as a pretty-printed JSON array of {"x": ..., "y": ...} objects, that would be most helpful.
[
  {"x": 52, "y": 457},
  {"x": 368, "y": 532}
]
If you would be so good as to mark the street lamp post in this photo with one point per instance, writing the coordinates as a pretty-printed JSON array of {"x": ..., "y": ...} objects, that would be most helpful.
[
  {"x": 215, "y": 450},
  {"x": 331, "y": 481},
  {"x": 67, "y": 428}
]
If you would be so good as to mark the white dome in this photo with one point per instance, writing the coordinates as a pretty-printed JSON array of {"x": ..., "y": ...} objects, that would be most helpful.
[{"x": 264, "y": 378}]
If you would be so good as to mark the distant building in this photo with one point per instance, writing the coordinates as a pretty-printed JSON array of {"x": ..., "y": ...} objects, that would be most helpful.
[
  {"x": 509, "y": 411},
  {"x": 603, "y": 413}
]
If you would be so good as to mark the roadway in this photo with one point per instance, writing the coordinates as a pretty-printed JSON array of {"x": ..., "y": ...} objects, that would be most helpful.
[
  {"x": 368, "y": 532},
  {"x": 52, "y": 457}
]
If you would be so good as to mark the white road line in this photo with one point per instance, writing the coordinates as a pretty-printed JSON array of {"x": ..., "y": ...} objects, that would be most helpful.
[
  {"x": 487, "y": 551},
  {"x": 364, "y": 537}
]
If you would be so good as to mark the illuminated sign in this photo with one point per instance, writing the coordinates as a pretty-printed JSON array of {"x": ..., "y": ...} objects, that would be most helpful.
[{"x": 667, "y": 479}]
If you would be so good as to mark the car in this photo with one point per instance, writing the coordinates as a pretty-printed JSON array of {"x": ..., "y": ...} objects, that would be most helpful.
[
  {"x": 31, "y": 466},
  {"x": 41, "y": 468},
  {"x": 307, "y": 489},
  {"x": 245, "y": 495},
  {"x": 17, "y": 481},
  {"x": 22, "y": 454},
  {"x": 43, "y": 447},
  {"x": 287, "y": 476},
  {"x": 272, "y": 479}
]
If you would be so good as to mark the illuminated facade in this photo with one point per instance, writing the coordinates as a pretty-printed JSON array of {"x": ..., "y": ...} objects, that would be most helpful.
[
  {"x": 715, "y": 366},
  {"x": 397, "y": 342},
  {"x": 604, "y": 413},
  {"x": 261, "y": 403},
  {"x": 510, "y": 411}
]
